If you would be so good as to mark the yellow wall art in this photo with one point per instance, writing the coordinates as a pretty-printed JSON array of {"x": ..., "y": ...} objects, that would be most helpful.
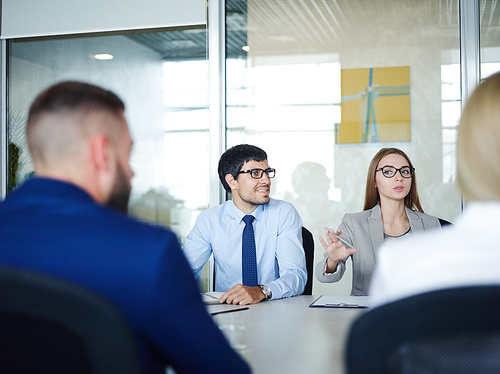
[{"x": 375, "y": 105}]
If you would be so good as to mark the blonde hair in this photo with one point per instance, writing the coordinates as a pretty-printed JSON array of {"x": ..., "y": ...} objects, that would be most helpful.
[
  {"x": 372, "y": 197},
  {"x": 478, "y": 143}
]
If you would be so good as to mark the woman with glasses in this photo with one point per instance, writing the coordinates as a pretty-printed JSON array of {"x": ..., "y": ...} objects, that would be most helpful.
[{"x": 392, "y": 211}]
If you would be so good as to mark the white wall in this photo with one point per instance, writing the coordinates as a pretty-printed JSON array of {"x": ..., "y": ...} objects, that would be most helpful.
[{"x": 28, "y": 18}]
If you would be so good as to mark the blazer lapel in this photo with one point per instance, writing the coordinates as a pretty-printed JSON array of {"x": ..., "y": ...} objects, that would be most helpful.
[
  {"x": 376, "y": 227},
  {"x": 416, "y": 222}
]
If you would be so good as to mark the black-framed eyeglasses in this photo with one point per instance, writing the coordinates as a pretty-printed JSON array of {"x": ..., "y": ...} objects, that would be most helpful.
[
  {"x": 259, "y": 173},
  {"x": 390, "y": 171}
]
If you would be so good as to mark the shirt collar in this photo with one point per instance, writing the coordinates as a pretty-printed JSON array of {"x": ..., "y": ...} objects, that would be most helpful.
[{"x": 238, "y": 215}]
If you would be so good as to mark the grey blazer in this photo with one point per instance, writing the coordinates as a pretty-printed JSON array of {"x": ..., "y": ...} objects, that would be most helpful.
[{"x": 365, "y": 232}]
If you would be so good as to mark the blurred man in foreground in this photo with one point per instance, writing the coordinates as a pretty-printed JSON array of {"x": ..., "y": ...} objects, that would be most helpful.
[{"x": 60, "y": 223}]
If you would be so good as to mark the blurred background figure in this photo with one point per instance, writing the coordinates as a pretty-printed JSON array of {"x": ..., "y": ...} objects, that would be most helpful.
[{"x": 311, "y": 184}]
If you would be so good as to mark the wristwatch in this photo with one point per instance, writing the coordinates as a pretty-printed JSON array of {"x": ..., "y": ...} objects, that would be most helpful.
[{"x": 266, "y": 290}]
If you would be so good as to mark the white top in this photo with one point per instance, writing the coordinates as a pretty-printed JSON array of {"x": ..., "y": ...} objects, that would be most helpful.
[{"x": 467, "y": 253}]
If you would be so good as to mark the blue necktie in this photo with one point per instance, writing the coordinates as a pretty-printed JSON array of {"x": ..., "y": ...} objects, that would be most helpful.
[{"x": 248, "y": 256}]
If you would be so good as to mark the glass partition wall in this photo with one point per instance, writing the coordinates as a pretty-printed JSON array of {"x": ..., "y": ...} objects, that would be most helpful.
[
  {"x": 489, "y": 11},
  {"x": 323, "y": 85},
  {"x": 162, "y": 76}
]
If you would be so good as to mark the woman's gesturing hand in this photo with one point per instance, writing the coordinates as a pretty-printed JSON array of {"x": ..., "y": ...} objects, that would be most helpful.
[{"x": 335, "y": 249}]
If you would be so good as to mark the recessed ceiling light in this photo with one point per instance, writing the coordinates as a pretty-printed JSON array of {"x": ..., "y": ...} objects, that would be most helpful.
[
  {"x": 246, "y": 48},
  {"x": 103, "y": 56}
]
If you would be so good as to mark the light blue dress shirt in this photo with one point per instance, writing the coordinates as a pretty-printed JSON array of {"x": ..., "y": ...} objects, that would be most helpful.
[{"x": 281, "y": 263}]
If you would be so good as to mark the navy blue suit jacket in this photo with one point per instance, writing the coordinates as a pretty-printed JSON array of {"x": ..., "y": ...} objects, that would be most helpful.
[{"x": 57, "y": 228}]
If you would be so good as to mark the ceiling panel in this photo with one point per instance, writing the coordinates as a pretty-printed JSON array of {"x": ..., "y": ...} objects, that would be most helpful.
[{"x": 272, "y": 27}]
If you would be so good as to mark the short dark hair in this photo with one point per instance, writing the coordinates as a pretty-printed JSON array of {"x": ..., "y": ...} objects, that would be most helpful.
[
  {"x": 70, "y": 96},
  {"x": 233, "y": 159}
]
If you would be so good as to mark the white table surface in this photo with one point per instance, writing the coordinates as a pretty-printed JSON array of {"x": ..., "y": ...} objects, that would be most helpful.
[{"x": 287, "y": 336}]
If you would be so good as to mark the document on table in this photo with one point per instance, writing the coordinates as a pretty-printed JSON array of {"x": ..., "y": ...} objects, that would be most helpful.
[
  {"x": 211, "y": 297},
  {"x": 327, "y": 301}
]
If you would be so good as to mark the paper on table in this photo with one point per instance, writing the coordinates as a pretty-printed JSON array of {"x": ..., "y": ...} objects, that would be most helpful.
[
  {"x": 211, "y": 297},
  {"x": 326, "y": 301}
]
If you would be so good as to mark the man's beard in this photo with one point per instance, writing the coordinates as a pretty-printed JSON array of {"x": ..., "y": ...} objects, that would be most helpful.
[
  {"x": 254, "y": 199},
  {"x": 120, "y": 194}
]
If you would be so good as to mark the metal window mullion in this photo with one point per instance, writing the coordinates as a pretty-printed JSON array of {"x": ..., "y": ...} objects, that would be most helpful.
[
  {"x": 217, "y": 105},
  {"x": 469, "y": 48},
  {"x": 470, "y": 68},
  {"x": 4, "y": 175},
  {"x": 217, "y": 95}
]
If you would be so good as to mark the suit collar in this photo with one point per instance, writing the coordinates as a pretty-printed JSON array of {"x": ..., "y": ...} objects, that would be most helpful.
[
  {"x": 43, "y": 188},
  {"x": 376, "y": 213},
  {"x": 377, "y": 227},
  {"x": 416, "y": 222}
]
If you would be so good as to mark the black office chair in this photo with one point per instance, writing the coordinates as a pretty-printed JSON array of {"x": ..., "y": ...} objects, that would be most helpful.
[
  {"x": 454, "y": 331},
  {"x": 444, "y": 222},
  {"x": 308, "y": 244},
  {"x": 51, "y": 326}
]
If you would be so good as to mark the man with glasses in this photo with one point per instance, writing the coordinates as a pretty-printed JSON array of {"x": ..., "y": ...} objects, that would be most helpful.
[{"x": 256, "y": 241}]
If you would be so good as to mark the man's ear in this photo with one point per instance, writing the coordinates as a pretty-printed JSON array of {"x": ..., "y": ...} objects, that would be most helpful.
[
  {"x": 101, "y": 153},
  {"x": 103, "y": 160},
  {"x": 231, "y": 181}
]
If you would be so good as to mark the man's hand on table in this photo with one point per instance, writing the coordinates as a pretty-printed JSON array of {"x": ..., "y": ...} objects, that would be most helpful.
[{"x": 243, "y": 295}]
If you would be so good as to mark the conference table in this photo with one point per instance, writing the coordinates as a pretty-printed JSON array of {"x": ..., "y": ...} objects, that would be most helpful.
[{"x": 287, "y": 336}]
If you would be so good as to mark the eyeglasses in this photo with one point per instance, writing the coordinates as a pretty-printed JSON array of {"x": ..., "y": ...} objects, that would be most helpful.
[
  {"x": 259, "y": 173},
  {"x": 390, "y": 171}
]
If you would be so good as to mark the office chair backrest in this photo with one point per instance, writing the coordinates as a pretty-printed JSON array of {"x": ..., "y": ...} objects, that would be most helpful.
[
  {"x": 308, "y": 244},
  {"x": 447, "y": 331},
  {"x": 444, "y": 222},
  {"x": 51, "y": 326}
]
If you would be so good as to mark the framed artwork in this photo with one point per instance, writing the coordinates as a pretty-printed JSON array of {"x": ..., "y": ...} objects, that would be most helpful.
[{"x": 375, "y": 105}]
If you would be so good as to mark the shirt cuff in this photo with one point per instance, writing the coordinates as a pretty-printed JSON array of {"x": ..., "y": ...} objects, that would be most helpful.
[
  {"x": 330, "y": 274},
  {"x": 276, "y": 294}
]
